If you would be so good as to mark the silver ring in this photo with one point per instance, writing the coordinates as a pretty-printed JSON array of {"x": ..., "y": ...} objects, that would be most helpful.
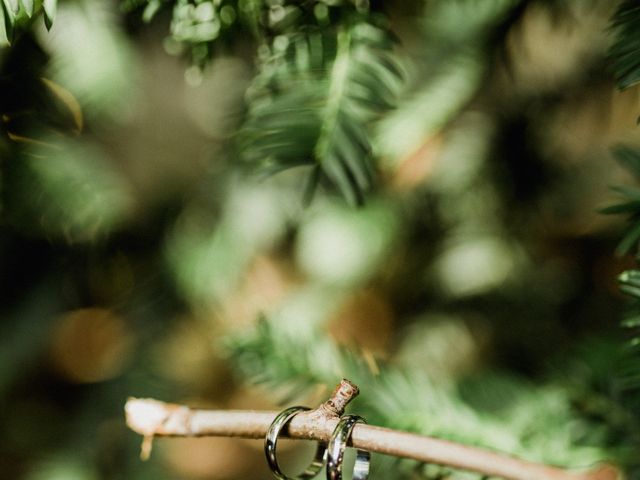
[
  {"x": 337, "y": 446},
  {"x": 271, "y": 441}
]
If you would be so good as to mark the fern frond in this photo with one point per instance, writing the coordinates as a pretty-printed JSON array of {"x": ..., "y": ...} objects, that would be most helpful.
[
  {"x": 630, "y": 159},
  {"x": 268, "y": 356},
  {"x": 625, "y": 50},
  {"x": 314, "y": 100},
  {"x": 629, "y": 281}
]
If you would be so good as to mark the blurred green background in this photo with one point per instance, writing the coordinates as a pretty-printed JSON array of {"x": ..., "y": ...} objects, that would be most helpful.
[{"x": 472, "y": 296}]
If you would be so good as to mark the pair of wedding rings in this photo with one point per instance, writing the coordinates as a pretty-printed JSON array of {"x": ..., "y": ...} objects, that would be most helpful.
[{"x": 332, "y": 454}]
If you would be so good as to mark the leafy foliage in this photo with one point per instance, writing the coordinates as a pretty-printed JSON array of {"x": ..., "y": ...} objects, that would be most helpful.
[
  {"x": 91, "y": 211},
  {"x": 199, "y": 26},
  {"x": 80, "y": 197},
  {"x": 500, "y": 412},
  {"x": 629, "y": 280},
  {"x": 314, "y": 99},
  {"x": 326, "y": 70},
  {"x": 625, "y": 50},
  {"x": 630, "y": 159},
  {"x": 18, "y": 15}
]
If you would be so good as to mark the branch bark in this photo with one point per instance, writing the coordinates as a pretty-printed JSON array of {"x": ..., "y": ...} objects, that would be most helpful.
[{"x": 152, "y": 418}]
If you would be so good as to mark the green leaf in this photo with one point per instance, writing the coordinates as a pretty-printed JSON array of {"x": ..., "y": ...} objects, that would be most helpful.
[
  {"x": 628, "y": 207},
  {"x": 630, "y": 240},
  {"x": 625, "y": 49},
  {"x": 9, "y": 20},
  {"x": 50, "y": 9},
  {"x": 631, "y": 322},
  {"x": 630, "y": 192},
  {"x": 4, "y": 38},
  {"x": 629, "y": 158},
  {"x": 150, "y": 10},
  {"x": 12, "y": 6},
  {"x": 629, "y": 290},
  {"x": 630, "y": 277},
  {"x": 28, "y": 6}
]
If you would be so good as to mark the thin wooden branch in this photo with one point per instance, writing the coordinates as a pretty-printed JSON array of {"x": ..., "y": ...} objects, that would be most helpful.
[{"x": 153, "y": 418}]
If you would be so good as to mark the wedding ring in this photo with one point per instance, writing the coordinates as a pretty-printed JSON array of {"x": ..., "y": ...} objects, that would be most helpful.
[
  {"x": 337, "y": 446},
  {"x": 271, "y": 441}
]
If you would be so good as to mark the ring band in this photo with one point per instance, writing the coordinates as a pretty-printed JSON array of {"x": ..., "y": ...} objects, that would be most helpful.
[
  {"x": 271, "y": 441},
  {"x": 337, "y": 447}
]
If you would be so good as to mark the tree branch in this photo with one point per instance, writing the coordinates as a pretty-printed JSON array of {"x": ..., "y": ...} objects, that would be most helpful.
[{"x": 153, "y": 418}]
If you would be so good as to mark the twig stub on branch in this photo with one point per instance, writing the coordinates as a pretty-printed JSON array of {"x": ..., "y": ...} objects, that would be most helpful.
[{"x": 344, "y": 392}]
